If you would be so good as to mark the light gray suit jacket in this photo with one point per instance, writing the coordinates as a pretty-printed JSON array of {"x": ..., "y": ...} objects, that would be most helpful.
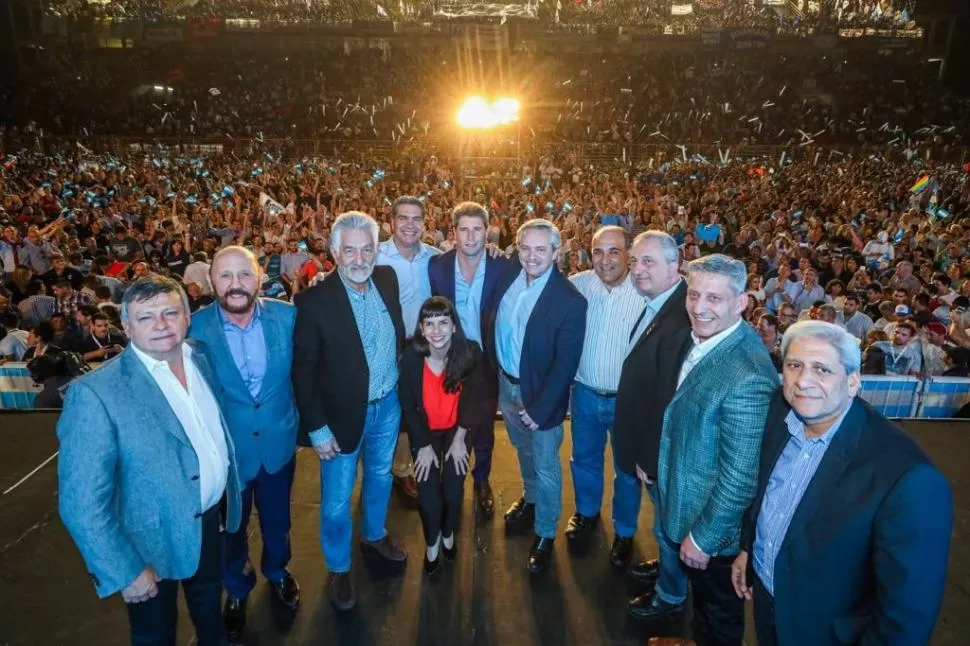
[
  {"x": 711, "y": 443},
  {"x": 129, "y": 477}
]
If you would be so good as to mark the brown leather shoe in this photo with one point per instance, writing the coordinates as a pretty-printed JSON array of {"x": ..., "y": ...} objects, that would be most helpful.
[
  {"x": 386, "y": 549},
  {"x": 407, "y": 486},
  {"x": 670, "y": 641},
  {"x": 342, "y": 594},
  {"x": 484, "y": 498}
]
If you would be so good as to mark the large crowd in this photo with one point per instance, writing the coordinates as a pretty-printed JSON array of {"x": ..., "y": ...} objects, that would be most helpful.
[
  {"x": 861, "y": 242},
  {"x": 653, "y": 14},
  {"x": 663, "y": 97}
]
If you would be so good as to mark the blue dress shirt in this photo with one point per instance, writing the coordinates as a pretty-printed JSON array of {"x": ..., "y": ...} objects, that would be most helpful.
[
  {"x": 248, "y": 348},
  {"x": 379, "y": 339},
  {"x": 513, "y": 315},
  {"x": 468, "y": 300},
  {"x": 793, "y": 472}
]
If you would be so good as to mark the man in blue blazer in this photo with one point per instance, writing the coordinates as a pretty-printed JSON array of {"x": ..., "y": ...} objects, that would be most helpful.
[
  {"x": 146, "y": 466},
  {"x": 538, "y": 327},
  {"x": 468, "y": 277},
  {"x": 251, "y": 343},
  {"x": 848, "y": 537}
]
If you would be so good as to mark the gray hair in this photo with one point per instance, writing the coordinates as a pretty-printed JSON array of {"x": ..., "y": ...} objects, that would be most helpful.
[
  {"x": 542, "y": 224},
  {"x": 147, "y": 288},
  {"x": 666, "y": 241},
  {"x": 734, "y": 270},
  {"x": 846, "y": 345},
  {"x": 353, "y": 220}
]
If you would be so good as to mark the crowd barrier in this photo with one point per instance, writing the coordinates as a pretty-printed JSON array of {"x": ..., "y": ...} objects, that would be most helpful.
[{"x": 894, "y": 397}]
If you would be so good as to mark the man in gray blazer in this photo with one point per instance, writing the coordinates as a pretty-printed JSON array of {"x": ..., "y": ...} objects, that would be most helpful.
[
  {"x": 709, "y": 449},
  {"x": 145, "y": 465}
]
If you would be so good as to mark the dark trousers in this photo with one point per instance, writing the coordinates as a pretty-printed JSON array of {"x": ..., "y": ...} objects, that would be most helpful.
[
  {"x": 483, "y": 446},
  {"x": 718, "y": 617},
  {"x": 153, "y": 622},
  {"x": 271, "y": 493},
  {"x": 439, "y": 497},
  {"x": 764, "y": 614}
]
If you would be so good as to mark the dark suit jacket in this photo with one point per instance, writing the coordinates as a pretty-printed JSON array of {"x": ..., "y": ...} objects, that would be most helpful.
[
  {"x": 330, "y": 373},
  {"x": 412, "y": 398},
  {"x": 864, "y": 560},
  {"x": 551, "y": 348},
  {"x": 648, "y": 381},
  {"x": 441, "y": 271}
]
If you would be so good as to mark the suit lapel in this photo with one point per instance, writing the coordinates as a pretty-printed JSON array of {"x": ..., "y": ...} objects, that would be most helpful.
[
  {"x": 343, "y": 314},
  {"x": 543, "y": 307},
  {"x": 493, "y": 267},
  {"x": 824, "y": 483},
  {"x": 697, "y": 373},
  {"x": 448, "y": 268},
  {"x": 216, "y": 340},
  {"x": 665, "y": 311},
  {"x": 273, "y": 338},
  {"x": 389, "y": 303},
  {"x": 777, "y": 436},
  {"x": 150, "y": 398}
]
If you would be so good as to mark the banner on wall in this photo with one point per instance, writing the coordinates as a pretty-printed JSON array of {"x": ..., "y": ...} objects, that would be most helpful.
[{"x": 681, "y": 9}]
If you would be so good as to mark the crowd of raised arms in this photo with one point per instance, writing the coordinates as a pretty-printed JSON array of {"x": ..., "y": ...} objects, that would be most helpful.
[
  {"x": 662, "y": 97},
  {"x": 866, "y": 242}
]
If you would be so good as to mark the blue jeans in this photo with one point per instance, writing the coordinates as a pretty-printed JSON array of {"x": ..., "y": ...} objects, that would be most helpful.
[
  {"x": 271, "y": 492},
  {"x": 592, "y": 418},
  {"x": 337, "y": 479},
  {"x": 538, "y": 453},
  {"x": 672, "y": 584}
]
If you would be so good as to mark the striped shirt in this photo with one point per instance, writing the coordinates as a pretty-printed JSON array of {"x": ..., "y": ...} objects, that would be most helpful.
[
  {"x": 793, "y": 472},
  {"x": 610, "y": 318}
]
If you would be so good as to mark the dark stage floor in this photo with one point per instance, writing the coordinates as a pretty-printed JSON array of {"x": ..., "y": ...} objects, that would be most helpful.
[{"x": 487, "y": 597}]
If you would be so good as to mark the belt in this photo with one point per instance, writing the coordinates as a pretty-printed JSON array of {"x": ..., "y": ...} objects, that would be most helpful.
[
  {"x": 607, "y": 394},
  {"x": 512, "y": 380}
]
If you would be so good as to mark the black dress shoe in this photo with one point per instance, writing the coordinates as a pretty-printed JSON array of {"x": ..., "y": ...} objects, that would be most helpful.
[
  {"x": 450, "y": 554},
  {"x": 540, "y": 555},
  {"x": 342, "y": 594},
  {"x": 649, "y": 606},
  {"x": 521, "y": 515},
  {"x": 287, "y": 592},
  {"x": 430, "y": 567},
  {"x": 646, "y": 571},
  {"x": 484, "y": 499},
  {"x": 621, "y": 551},
  {"x": 234, "y": 617},
  {"x": 580, "y": 527}
]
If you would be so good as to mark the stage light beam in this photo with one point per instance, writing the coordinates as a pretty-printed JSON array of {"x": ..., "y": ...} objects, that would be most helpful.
[{"x": 477, "y": 113}]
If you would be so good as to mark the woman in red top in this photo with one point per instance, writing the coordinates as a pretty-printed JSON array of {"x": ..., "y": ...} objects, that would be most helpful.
[{"x": 438, "y": 391}]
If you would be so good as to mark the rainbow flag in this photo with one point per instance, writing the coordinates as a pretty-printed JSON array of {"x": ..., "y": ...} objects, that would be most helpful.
[{"x": 920, "y": 184}]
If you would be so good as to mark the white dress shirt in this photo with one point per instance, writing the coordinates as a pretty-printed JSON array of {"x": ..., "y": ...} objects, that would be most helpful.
[
  {"x": 413, "y": 281},
  {"x": 198, "y": 412},
  {"x": 609, "y": 321},
  {"x": 701, "y": 349}
]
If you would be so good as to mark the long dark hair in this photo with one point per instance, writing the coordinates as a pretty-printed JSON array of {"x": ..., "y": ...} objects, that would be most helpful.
[{"x": 460, "y": 361}]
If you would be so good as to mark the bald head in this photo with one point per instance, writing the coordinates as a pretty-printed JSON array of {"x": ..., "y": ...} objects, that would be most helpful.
[{"x": 236, "y": 278}]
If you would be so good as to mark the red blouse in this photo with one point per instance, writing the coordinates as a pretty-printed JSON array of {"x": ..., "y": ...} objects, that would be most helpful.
[{"x": 441, "y": 407}]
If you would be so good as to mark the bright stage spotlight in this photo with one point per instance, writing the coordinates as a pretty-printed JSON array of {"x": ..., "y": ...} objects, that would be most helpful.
[{"x": 477, "y": 113}]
